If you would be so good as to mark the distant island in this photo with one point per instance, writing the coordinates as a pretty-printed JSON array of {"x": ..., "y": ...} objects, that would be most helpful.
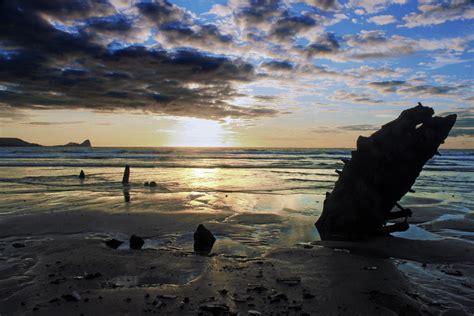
[{"x": 17, "y": 142}]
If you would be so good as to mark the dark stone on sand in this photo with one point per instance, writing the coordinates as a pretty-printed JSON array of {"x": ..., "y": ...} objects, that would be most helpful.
[
  {"x": 203, "y": 239},
  {"x": 290, "y": 281},
  {"x": 153, "y": 184},
  {"x": 146, "y": 183},
  {"x": 82, "y": 175},
  {"x": 214, "y": 308},
  {"x": 136, "y": 242},
  {"x": 380, "y": 172},
  {"x": 126, "y": 175},
  {"x": 18, "y": 245},
  {"x": 113, "y": 243},
  {"x": 223, "y": 292},
  {"x": 91, "y": 276},
  {"x": 453, "y": 272},
  {"x": 72, "y": 297}
]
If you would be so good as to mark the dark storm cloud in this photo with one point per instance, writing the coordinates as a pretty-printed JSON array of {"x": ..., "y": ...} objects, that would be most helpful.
[
  {"x": 59, "y": 66},
  {"x": 278, "y": 65},
  {"x": 288, "y": 25},
  {"x": 322, "y": 4},
  {"x": 324, "y": 45},
  {"x": 258, "y": 11},
  {"x": 203, "y": 36},
  {"x": 161, "y": 11},
  {"x": 110, "y": 24}
]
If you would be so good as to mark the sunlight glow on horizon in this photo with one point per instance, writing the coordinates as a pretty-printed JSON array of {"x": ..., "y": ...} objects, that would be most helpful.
[{"x": 193, "y": 132}]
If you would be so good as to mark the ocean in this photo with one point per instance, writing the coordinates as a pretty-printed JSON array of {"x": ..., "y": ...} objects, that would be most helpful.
[{"x": 289, "y": 183}]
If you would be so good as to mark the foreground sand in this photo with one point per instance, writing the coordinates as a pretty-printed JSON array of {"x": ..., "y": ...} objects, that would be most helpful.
[{"x": 386, "y": 276}]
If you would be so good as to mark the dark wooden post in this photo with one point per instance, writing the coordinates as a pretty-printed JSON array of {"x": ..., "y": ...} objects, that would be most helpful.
[{"x": 126, "y": 174}]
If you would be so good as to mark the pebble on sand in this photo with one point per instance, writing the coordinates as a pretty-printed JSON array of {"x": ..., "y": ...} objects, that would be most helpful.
[
  {"x": 203, "y": 239},
  {"x": 136, "y": 242},
  {"x": 113, "y": 243}
]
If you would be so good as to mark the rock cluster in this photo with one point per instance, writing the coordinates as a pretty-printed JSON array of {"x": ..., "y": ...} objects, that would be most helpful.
[{"x": 381, "y": 171}]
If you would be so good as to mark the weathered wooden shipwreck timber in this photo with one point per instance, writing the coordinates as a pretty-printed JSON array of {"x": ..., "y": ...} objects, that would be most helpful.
[{"x": 381, "y": 171}]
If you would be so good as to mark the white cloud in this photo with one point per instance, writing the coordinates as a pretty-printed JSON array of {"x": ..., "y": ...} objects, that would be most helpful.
[
  {"x": 220, "y": 10},
  {"x": 383, "y": 19},
  {"x": 374, "y": 6},
  {"x": 432, "y": 12}
]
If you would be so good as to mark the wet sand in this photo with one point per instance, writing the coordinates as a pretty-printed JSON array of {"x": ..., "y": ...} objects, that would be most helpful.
[{"x": 58, "y": 264}]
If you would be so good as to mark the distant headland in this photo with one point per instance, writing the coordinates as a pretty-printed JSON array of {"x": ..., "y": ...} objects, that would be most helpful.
[{"x": 17, "y": 142}]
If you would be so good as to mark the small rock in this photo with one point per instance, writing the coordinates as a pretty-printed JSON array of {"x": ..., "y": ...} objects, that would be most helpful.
[
  {"x": 186, "y": 300},
  {"x": 91, "y": 276},
  {"x": 453, "y": 272},
  {"x": 203, "y": 239},
  {"x": 290, "y": 281},
  {"x": 257, "y": 288},
  {"x": 277, "y": 297},
  {"x": 295, "y": 307},
  {"x": 136, "y": 242},
  {"x": 214, "y": 308},
  {"x": 146, "y": 184},
  {"x": 153, "y": 184},
  {"x": 18, "y": 245},
  {"x": 223, "y": 292},
  {"x": 342, "y": 250},
  {"x": 82, "y": 175},
  {"x": 166, "y": 296},
  {"x": 113, "y": 243},
  {"x": 253, "y": 312},
  {"x": 72, "y": 297},
  {"x": 239, "y": 298},
  {"x": 308, "y": 296}
]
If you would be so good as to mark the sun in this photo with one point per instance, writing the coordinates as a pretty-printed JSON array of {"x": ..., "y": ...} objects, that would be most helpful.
[{"x": 193, "y": 132}]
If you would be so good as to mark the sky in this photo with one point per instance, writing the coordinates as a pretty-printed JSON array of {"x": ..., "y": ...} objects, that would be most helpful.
[{"x": 258, "y": 73}]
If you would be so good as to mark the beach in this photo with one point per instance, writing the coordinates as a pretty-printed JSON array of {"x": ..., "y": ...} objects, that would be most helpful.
[{"x": 261, "y": 205}]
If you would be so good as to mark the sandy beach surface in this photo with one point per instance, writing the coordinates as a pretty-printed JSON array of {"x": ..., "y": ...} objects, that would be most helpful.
[{"x": 267, "y": 259}]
